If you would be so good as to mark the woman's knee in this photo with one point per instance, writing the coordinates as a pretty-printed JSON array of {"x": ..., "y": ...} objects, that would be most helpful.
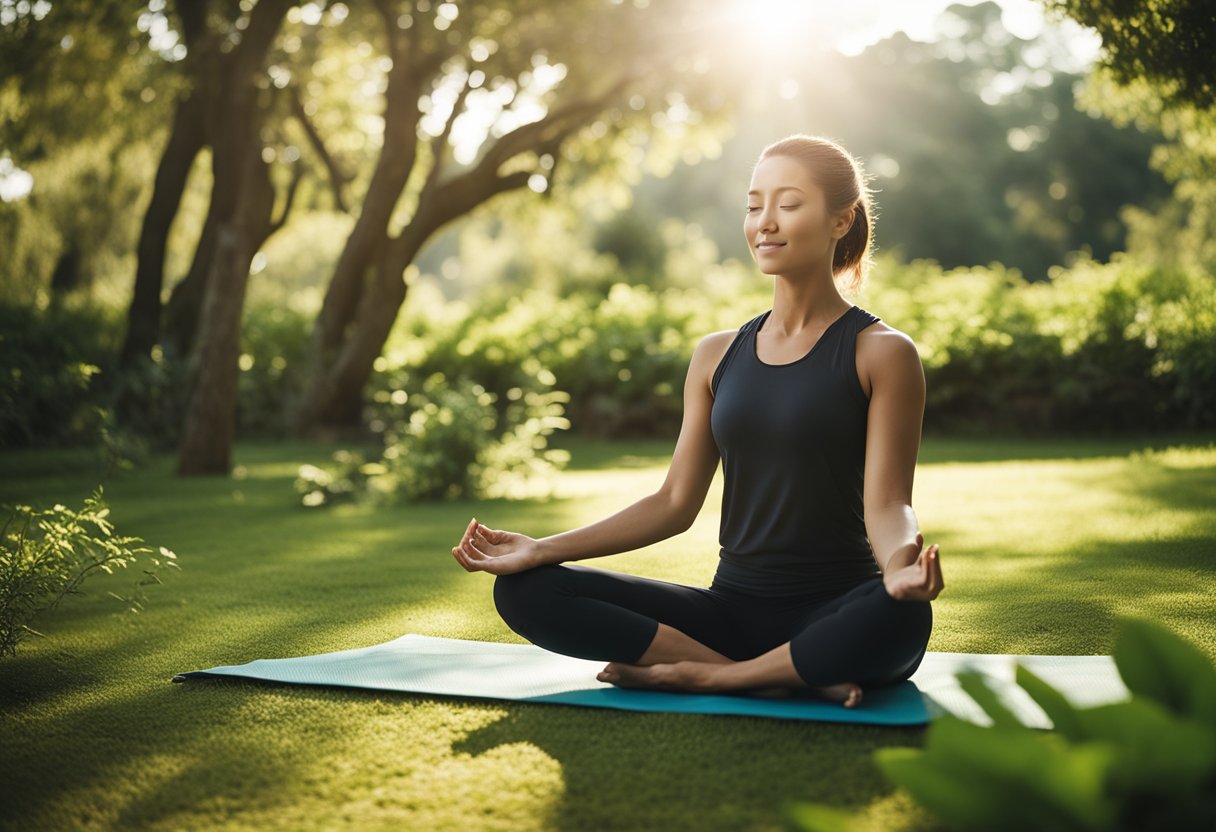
[
  {"x": 519, "y": 596},
  {"x": 914, "y": 626}
]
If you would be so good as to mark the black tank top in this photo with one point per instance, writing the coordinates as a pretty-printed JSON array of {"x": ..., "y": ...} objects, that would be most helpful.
[{"x": 793, "y": 439}]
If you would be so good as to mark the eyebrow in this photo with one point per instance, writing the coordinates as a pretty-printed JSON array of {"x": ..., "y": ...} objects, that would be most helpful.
[{"x": 779, "y": 190}]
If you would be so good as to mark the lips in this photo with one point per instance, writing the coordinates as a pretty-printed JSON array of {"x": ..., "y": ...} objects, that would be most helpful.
[{"x": 769, "y": 246}]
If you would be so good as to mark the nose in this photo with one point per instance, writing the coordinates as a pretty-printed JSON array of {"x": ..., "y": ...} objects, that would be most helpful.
[
  {"x": 763, "y": 228},
  {"x": 764, "y": 222}
]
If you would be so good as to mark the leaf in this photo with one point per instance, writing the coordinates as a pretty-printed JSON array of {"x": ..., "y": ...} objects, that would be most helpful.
[
  {"x": 1156, "y": 663},
  {"x": 1059, "y": 710},
  {"x": 1158, "y": 752},
  {"x": 973, "y": 683},
  {"x": 1005, "y": 778}
]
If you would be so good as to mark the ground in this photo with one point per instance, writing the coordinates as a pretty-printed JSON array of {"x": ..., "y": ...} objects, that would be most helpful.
[{"x": 1042, "y": 542}]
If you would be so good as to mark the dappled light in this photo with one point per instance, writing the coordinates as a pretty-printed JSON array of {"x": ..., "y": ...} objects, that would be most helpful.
[{"x": 325, "y": 322}]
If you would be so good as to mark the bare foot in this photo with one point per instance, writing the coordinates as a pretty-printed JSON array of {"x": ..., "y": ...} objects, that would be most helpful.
[
  {"x": 846, "y": 693},
  {"x": 688, "y": 676},
  {"x": 697, "y": 677}
]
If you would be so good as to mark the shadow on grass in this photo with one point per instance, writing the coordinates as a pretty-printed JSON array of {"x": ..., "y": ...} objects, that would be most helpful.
[
  {"x": 1067, "y": 604},
  {"x": 685, "y": 771},
  {"x": 272, "y": 579}
]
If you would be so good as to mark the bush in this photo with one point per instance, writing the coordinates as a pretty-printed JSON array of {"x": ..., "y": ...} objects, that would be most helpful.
[
  {"x": 38, "y": 568},
  {"x": 1101, "y": 347},
  {"x": 274, "y": 346},
  {"x": 622, "y": 358},
  {"x": 1147, "y": 762},
  {"x": 50, "y": 361},
  {"x": 450, "y": 441}
]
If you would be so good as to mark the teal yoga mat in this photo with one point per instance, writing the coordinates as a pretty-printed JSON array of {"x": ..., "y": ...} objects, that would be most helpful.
[{"x": 417, "y": 663}]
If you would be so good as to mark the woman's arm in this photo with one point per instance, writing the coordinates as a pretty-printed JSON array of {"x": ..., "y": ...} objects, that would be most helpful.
[
  {"x": 673, "y": 508},
  {"x": 658, "y": 516},
  {"x": 893, "y": 430}
]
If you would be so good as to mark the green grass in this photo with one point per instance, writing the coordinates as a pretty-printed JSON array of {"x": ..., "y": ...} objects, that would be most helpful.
[{"x": 1042, "y": 543}]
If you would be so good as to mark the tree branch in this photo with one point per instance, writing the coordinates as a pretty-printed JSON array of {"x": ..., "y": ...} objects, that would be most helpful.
[
  {"x": 439, "y": 145},
  {"x": 338, "y": 179},
  {"x": 296, "y": 176}
]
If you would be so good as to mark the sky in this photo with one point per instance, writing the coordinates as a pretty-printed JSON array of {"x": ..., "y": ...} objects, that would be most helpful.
[{"x": 853, "y": 25}]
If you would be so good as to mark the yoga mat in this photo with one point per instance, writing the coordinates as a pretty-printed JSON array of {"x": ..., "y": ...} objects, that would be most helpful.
[{"x": 526, "y": 673}]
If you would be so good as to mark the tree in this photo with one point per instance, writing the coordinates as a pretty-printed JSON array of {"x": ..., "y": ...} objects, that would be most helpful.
[
  {"x": 585, "y": 63},
  {"x": 1157, "y": 71},
  {"x": 1169, "y": 43},
  {"x": 74, "y": 130},
  {"x": 242, "y": 201}
]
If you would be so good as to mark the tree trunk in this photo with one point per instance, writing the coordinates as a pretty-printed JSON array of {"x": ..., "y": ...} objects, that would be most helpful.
[
  {"x": 182, "y": 312},
  {"x": 241, "y": 203},
  {"x": 327, "y": 401},
  {"x": 206, "y": 66},
  {"x": 67, "y": 275},
  {"x": 336, "y": 402},
  {"x": 211, "y": 415},
  {"x": 185, "y": 142}
]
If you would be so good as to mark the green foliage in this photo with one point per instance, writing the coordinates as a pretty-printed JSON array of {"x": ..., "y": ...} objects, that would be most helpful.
[
  {"x": 61, "y": 383},
  {"x": 50, "y": 360},
  {"x": 1177, "y": 231},
  {"x": 622, "y": 358},
  {"x": 146, "y": 402},
  {"x": 39, "y": 566},
  {"x": 274, "y": 345},
  {"x": 1101, "y": 347},
  {"x": 448, "y": 440},
  {"x": 1147, "y": 762},
  {"x": 1168, "y": 43}
]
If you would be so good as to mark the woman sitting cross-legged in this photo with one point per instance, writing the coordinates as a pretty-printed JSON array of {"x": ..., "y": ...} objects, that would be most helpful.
[{"x": 814, "y": 408}]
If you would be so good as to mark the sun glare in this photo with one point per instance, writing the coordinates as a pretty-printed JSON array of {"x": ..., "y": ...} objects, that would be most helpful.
[{"x": 774, "y": 25}]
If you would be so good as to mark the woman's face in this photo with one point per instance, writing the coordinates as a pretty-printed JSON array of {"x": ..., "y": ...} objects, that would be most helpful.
[{"x": 786, "y": 207}]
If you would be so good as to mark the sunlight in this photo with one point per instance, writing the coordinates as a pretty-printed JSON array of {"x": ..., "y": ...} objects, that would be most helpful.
[
  {"x": 773, "y": 27},
  {"x": 776, "y": 29}
]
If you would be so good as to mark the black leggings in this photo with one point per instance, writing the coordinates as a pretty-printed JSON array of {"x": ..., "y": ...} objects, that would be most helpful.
[{"x": 863, "y": 636}]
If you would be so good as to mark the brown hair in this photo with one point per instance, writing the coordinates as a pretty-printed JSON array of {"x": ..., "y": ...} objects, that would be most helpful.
[{"x": 844, "y": 183}]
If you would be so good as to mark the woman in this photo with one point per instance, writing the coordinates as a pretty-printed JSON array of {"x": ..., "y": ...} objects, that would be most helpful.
[{"x": 814, "y": 408}]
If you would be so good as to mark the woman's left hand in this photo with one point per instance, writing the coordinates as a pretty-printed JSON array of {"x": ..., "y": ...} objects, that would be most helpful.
[{"x": 920, "y": 580}]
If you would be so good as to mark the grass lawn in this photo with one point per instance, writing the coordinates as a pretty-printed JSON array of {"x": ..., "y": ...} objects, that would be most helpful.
[{"x": 1042, "y": 543}]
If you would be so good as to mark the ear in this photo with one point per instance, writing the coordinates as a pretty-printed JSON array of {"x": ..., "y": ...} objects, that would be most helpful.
[{"x": 844, "y": 222}]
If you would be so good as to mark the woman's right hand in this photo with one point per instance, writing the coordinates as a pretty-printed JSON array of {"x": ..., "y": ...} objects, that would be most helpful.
[{"x": 498, "y": 552}]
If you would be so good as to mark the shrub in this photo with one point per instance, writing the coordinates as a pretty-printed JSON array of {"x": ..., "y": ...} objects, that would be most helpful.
[
  {"x": 450, "y": 441},
  {"x": 274, "y": 346},
  {"x": 51, "y": 359},
  {"x": 39, "y": 567}
]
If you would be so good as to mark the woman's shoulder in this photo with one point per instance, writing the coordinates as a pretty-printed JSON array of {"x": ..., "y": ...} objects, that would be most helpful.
[
  {"x": 874, "y": 329},
  {"x": 885, "y": 352}
]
